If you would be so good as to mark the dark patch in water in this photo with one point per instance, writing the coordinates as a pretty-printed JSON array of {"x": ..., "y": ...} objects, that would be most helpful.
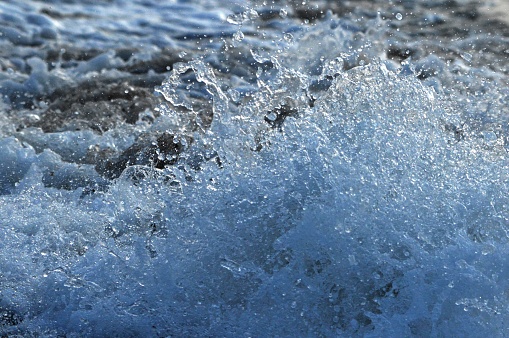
[{"x": 95, "y": 105}]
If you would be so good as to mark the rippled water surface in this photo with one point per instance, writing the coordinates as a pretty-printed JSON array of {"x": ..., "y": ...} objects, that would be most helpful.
[{"x": 247, "y": 168}]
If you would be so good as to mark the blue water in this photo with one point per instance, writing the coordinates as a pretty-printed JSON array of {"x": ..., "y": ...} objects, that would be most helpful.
[{"x": 299, "y": 170}]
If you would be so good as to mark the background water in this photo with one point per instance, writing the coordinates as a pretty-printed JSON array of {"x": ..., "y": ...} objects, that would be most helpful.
[{"x": 248, "y": 168}]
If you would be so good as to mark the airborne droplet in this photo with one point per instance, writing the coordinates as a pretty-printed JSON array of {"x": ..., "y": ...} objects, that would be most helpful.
[
  {"x": 288, "y": 37},
  {"x": 238, "y": 36}
]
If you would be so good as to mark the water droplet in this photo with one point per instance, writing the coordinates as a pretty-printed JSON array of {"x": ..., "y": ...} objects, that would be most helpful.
[
  {"x": 283, "y": 13},
  {"x": 234, "y": 94},
  {"x": 288, "y": 37},
  {"x": 235, "y": 19},
  {"x": 251, "y": 14},
  {"x": 238, "y": 36},
  {"x": 399, "y": 16}
]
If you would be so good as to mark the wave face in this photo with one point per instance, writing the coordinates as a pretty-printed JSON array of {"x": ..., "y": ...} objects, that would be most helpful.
[{"x": 211, "y": 168}]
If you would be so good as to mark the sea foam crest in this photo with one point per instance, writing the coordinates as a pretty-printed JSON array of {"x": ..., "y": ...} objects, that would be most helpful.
[{"x": 360, "y": 183}]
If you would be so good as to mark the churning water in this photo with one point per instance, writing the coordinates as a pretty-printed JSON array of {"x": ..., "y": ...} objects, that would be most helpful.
[{"x": 239, "y": 168}]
